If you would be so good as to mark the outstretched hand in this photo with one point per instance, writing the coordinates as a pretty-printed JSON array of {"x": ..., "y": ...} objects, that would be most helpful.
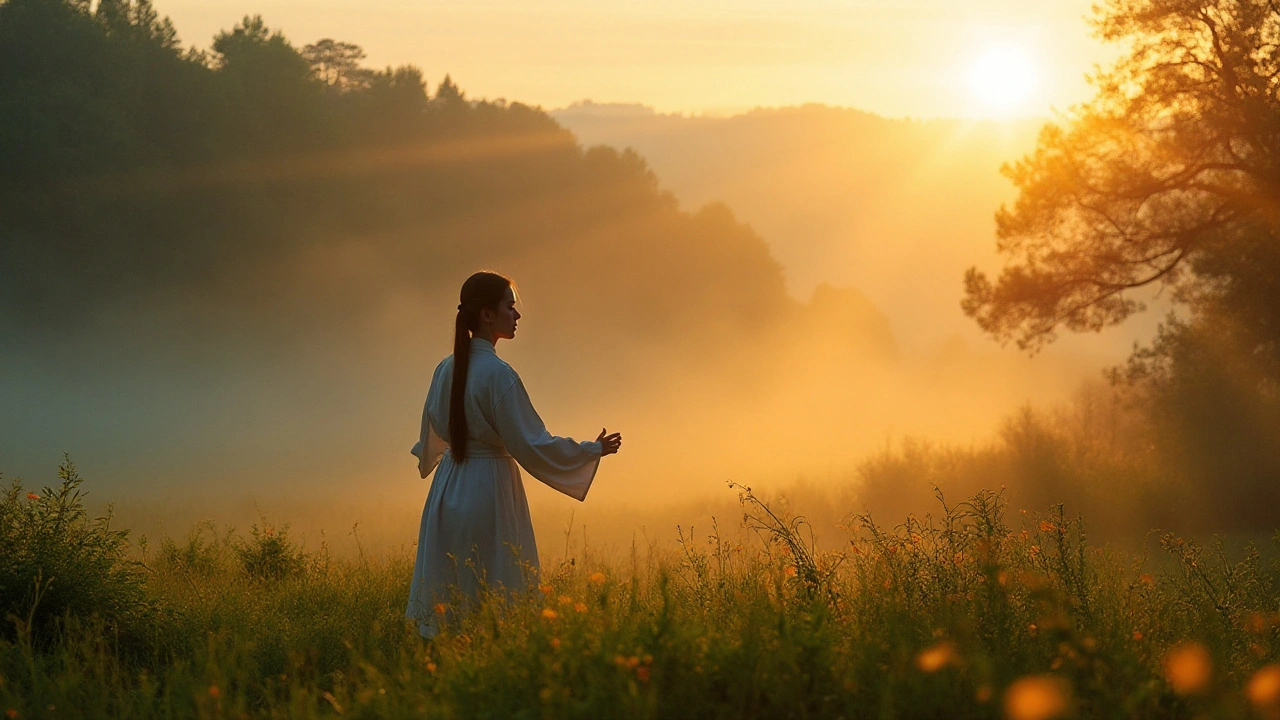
[{"x": 609, "y": 443}]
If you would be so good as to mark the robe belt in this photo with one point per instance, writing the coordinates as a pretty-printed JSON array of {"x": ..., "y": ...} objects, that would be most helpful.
[{"x": 481, "y": 450}]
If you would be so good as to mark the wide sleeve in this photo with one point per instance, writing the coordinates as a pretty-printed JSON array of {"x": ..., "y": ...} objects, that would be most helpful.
[
  {"x": 562, "y": 463},
  {"x": 430, "y": 445}
]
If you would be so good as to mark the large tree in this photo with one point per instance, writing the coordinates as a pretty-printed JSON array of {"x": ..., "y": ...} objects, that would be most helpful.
[{"x": 1169, "y": 177}]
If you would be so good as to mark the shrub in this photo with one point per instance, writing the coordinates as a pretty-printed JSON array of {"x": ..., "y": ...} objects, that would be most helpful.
[
  {"x": 271, "y": 554},
  {"x": 57, "y": 561}
]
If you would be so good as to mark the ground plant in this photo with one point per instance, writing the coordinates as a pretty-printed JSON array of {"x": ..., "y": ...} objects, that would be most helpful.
[{"x": 972, "y": 611}]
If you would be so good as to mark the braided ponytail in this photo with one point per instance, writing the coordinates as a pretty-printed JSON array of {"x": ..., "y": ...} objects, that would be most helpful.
[{"x": 481, "y": 290}]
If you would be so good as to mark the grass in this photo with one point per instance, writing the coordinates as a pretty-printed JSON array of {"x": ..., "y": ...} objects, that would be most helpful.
[{"x": 969, "y": 613}]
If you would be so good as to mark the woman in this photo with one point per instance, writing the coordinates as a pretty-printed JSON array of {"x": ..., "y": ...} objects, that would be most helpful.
[{"x": 478, "y": 424}]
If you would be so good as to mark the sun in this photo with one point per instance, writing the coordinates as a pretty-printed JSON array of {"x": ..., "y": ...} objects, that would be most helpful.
[{"x": 1003, "y": 81}]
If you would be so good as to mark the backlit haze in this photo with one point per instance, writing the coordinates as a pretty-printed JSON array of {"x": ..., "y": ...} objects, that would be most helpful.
[
  {"x": 914, "y": 58},
  {"x": 872, "y": 216}
]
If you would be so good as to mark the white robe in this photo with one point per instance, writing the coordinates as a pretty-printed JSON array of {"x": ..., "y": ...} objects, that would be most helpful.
[{"x": 476, "y": 528}]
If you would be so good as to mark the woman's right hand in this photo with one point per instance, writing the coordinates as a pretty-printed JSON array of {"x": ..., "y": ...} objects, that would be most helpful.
[{"x": 609, "y": 444}]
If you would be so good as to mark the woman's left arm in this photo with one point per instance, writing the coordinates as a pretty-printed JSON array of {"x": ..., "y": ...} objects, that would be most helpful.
[{"x": 563, "y": 463}]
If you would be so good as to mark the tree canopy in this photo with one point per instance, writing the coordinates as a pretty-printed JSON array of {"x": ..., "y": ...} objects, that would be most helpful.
[
  {"x": 1170, "y": 176},
  {"x": 131, "y": 168}
]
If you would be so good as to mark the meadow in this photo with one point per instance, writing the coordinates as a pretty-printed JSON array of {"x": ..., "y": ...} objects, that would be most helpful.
[{"x": 971, "y": 611}]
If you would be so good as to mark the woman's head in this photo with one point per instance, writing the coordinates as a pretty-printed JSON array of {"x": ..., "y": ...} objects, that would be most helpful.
[
  {"x": 487, "y": 310},
  {"x": 487, "y": 307}
]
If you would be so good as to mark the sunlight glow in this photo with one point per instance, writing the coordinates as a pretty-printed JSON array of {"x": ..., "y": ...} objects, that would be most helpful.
[{"x": 1003, "y": 80}]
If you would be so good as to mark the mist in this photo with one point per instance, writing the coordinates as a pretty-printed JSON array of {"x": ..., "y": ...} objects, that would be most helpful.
[{"x": 249, "y": 332}]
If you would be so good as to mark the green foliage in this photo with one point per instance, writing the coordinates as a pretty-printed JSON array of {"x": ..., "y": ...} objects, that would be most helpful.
[
  {"x": 238, "y": 181},
  {"x": 58, "y": 561},
  {"x": 1164, "y": 179},
  {"x": 938, "y": 616},
  {"x": 270, "y": 554}
]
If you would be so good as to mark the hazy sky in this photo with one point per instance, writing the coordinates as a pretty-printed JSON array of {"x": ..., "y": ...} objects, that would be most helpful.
[{"x": 893, "y": 57}]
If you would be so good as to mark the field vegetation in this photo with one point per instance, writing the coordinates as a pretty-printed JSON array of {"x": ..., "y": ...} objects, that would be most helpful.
[{"x": 969, "y": 611}]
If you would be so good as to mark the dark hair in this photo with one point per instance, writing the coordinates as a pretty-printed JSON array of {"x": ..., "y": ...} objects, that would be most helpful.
[{"x": 481, "y": 290}]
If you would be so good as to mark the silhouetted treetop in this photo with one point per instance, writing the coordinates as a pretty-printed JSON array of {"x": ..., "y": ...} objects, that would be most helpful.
[
  {"x": 133, "y": 169},
  {"x": 1169, "y": 176}
]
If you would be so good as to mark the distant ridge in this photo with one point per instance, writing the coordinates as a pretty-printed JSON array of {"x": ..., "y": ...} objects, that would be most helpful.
[{"x": 896, "y": 207}]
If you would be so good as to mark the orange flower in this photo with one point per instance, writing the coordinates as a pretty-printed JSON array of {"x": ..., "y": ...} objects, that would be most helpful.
[
  {"x": 633, "y": 661},
  {"x": 1039, "y": 697},
  {"x": 1147, "y": 579},
  {"x": 1187, "y": 668},
  {"x": 31, "y": 496},
  {"x": 555, "y": 643},
  {"x": 546, "y": 589},
  {"x": 1263, "y": 689},
  {"x": 933, "y": 659},
  {"x": 550, "y": 614},
  {"x": 1046, "y": 526},
  {"x": 790, "y": 571},
  {"x": 642, "y": 674},
  {"x": 214, "y": 692},
  {"x": 565, "y": 599},
  {"x": 441, "y": 608},
  {"x": 580, "y": 607},
  {"x": 1137, "y": 634},
  {"x": 597, "y": 578}
]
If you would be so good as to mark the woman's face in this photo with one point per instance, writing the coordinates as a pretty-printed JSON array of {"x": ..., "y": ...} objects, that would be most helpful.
[{"x": 503, "y": 318}]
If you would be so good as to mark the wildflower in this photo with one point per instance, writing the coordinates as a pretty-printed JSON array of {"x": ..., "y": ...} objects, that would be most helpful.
[
  {"x": 1263, "y": 689},
  {"x": 642, "y": 674},
  {"x": 1137, "y": 634},
  {"x": 214, "y": 692},
  {"x": 441, "y": 608},
  {"x": 565, "y": 599},
  {"x": 1046, "y": 526},
  {"x": 1035, "y": 550},
  {"x": 550, "y": 614},
  {"x": 1257, "y": 624},
  {"x": 555, "y": 643},
  {"x": 1147, "y": 579},
  {"x": 1032, "y": 628},
  {"x": 30, "y": 496},
  {"x": 633, "y": 661},
  {"x": 933, "y": 659},
  {"x": 431, "y": 667},
  {"x": 1036, "y": 697},
  {"x": 597, "y": 578},
  {"x": 580, "y": 607},
  {"x": 546, "y": 589},
  {"x": 790, "y": 571},
  {"x": 1187, "y": 668},
  {"x": 619, "y": 660}
]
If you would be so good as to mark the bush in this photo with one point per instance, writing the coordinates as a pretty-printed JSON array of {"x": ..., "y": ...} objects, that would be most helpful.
[
  {"x": 271, "y": 554},
  {"x": 57, "y": 562}
]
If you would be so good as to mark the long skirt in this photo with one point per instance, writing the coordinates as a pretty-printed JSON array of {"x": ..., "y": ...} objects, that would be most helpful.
[{"x": 476, "y": 538}]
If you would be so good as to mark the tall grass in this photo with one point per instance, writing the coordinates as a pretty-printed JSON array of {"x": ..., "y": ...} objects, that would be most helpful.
[{"x": 967, "y": 612}]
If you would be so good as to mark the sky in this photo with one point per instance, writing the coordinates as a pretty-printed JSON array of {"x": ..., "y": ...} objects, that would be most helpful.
[{"x": 897, "y": 58}]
